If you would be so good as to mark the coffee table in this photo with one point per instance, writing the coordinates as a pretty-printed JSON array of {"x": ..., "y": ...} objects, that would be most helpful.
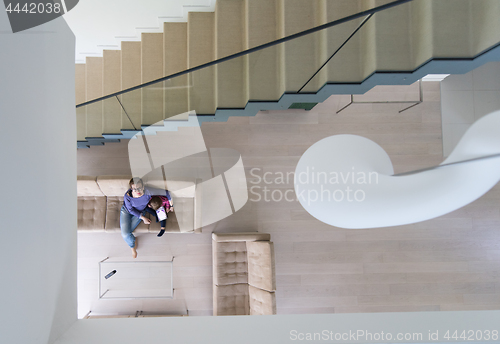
[{"x": 135, "y": 279}]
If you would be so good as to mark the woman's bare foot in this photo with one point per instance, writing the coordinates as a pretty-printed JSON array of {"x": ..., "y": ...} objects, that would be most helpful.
[{"x": 134, "y": 251}]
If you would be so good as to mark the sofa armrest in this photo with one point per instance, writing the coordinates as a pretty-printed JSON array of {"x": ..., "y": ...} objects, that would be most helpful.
[
  {"x": 243, "y": 236},
  {"x": 231, "y": 299},
  {"x": 261, "y": 302},
  {"x": 261, "y": 267},
  {"x": 86, "y": 186},
  {"x": 91, "y": 213},
  {"x": 113, "y": 185},
  {"x": 229, "y": 263}
]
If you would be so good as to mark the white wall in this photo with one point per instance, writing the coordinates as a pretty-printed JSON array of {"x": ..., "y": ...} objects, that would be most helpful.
[
  {"x": 112, "y": 19},
  {"x": 467, "y": 97},
  {"x": 38, "y": 182},
  {"x": 275, "y": 329}
]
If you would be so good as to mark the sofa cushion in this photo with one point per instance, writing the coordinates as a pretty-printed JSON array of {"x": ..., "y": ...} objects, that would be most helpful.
[
  {"x": 91, "y": 212},
  {"x": 184, "y": 210},
  {"x": 261, "y": 302},
  {"x": 231, "y": 299},
  {"x": 180, "y": 220},
  {"x": 87, "y": 186},
  {"x": 229, "y": 263},
  {"x": 113, "y": 185},
  {"x": 261, "y": 270},
  {"x": 113, "y": 207},
  {"x": 181, "y": 188},
  {"x": 171, "y": 227}
]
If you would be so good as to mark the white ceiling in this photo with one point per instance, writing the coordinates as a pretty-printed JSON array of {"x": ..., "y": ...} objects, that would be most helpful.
[{"x": 100, "y": 25}]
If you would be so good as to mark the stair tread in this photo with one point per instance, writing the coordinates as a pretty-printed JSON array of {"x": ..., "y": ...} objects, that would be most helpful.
[
  {"x": 201, "y": 50},
  {"x": 111, "y": 83},
  {"x": 229, "y": 32},
  {"x": 175, "y": 60},
  {"x": 131, "y": 76}
]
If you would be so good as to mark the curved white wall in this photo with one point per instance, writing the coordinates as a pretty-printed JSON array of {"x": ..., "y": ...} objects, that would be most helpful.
[{"x": 346, "y": 180}]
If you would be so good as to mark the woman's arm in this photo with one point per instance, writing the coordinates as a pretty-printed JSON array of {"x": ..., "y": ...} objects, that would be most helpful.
[
  {"x": 128, "y": 202},
  {"x": 157, "y": 192},
  {"x": 130, "y": 207}
]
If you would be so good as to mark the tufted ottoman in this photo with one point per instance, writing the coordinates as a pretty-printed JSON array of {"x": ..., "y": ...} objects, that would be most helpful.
[{"x": 243, "y": 274}]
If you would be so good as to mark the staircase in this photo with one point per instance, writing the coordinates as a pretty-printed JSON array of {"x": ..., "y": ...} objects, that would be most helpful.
[{"x": 398, "y": 45}]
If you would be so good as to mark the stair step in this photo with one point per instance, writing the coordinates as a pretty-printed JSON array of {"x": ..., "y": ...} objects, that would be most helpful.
[
  {"x": 93, "y": 90},
  {"x": 152, "y": 69},
  {"x": 128, "y": 134},
  {"x": 263, "y": 72},
  {"x": 300, "y": 57},
  {"x": 201, "y": 50},
  {"x": 421, "y": 32},
  {"x": 485, "y": 25},
  {"x": 111, "y": 83},
  {"x": 456, "y": 26},
  {"x": 200, "y": 38},
  {"x": 82, "y": 144},
  {"x": 358, "y": 58},
  {"x": 393, "y": 48},
  {"x": 230, "y": 30},
  {"x": 131, "y": 76},
  {"x": 261, "y": 21},
  {"x": 345, "y": 65},
  {"x": 93, "y": 75},
  {"x": 152, "y": 56},
  {"x": 175, "y": 52},
  {"x": 131, "y": 64}
]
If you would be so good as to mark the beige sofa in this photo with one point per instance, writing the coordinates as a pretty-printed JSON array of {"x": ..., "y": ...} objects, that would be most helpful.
[
  {"x": 101, "y": 198},
  {"x": 244, "y": 277}
]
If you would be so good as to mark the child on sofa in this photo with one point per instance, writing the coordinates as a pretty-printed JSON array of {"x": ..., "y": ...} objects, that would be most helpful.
[{"x": 155, "y": 203}]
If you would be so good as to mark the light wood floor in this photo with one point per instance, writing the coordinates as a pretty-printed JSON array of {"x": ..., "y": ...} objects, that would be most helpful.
[{"x": 448, "y": 263}]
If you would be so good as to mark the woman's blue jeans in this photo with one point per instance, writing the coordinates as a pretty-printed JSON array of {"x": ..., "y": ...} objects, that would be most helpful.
[{"x": 128, "y": 223}]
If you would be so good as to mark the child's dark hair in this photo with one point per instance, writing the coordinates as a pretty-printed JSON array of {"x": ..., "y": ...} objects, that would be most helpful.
[{"x": 155, "y": 202}]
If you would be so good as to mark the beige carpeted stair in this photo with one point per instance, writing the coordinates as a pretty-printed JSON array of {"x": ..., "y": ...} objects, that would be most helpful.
[{"x": 398, "y": 39}]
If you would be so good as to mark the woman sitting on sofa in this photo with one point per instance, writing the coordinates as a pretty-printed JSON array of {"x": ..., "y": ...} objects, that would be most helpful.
[{"x": 134, "y": 209}]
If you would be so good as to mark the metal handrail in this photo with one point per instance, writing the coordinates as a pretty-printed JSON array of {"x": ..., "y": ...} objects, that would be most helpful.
[
  {"x": 257, "y": 48},
  {"x": 336, "y": 51}
]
